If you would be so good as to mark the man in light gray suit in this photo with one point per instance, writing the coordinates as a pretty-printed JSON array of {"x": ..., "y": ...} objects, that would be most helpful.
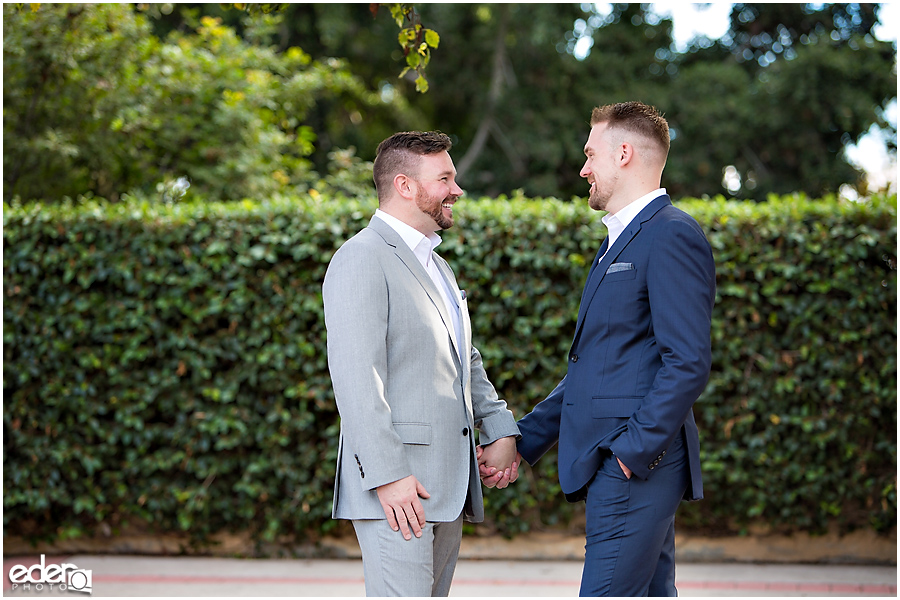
[{"x": 409, "y": 385}]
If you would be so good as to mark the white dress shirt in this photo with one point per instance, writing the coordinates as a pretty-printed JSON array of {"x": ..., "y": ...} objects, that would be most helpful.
[
  {"x": 616, "y": 223},
  {"x": 423, "y": 246}
]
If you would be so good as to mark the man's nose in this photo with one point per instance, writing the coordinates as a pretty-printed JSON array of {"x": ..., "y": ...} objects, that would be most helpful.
[
  {"x": 585, "y": 171},
  {"x": 456, "y": 190}
]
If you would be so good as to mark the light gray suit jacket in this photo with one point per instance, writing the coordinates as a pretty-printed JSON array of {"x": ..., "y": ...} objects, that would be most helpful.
[{"x": 407, "y": 405}]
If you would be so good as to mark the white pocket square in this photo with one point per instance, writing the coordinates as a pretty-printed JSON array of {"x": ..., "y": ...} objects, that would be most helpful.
[{"x": 616, "y": 267}]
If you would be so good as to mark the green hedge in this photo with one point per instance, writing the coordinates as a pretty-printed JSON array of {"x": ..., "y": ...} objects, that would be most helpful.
[{"x": 166, "y": 364}]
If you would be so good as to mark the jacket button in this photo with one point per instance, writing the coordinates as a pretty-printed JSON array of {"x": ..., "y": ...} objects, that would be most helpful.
[
  {"x": 465, "y": 431},
  {"x": 574, "y": 358}
]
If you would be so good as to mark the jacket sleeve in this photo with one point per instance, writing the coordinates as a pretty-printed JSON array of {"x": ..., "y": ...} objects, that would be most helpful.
[
  {"x": 681, "y": 290},
  {"x": 540, "y": 427},
  {"x": 357, "y": 362}
]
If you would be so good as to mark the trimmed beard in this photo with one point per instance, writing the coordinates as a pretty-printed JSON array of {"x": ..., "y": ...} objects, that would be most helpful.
[{"x": 435, "y": 211}]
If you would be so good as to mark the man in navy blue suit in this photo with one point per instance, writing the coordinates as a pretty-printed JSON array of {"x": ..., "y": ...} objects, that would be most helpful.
[{"x": 640, "y": 358}]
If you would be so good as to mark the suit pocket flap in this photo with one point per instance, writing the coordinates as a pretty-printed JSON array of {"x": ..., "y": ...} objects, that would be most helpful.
[
  {"x": 418, "y": 434},
  {"x": 614, "y": 407}
]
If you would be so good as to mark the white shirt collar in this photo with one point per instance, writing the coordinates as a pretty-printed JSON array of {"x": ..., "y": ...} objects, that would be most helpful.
[
  {"x": 421, "y": 245},
  {"x": 616, "y": 223}
]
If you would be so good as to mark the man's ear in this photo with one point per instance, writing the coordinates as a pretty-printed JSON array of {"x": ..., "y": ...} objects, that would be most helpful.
[
  {"x": 625, "y": 153},
  {"x": 405, "y": 186}
]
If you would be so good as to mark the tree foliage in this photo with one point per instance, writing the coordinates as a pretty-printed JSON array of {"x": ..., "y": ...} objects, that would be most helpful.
[
  {"x": 511, "y": 91},
  {"x": 270, "y": 97},
  {"x": 94, "y": 102},
  {"x": 761, "y": 32},
  {"x": 779, "y": 98}
]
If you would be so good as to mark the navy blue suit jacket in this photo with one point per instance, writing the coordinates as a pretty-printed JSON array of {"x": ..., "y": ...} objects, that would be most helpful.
[{"x": 640, "y": 357}]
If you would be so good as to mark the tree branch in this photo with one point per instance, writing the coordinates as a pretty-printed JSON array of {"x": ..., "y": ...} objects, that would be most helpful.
[{"x": 494, "y": 93}]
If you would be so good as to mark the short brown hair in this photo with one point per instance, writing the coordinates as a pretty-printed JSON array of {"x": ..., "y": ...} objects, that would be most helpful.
[
  {"x": 399, "y": 154},
  {"x": 635, "y": 117}
]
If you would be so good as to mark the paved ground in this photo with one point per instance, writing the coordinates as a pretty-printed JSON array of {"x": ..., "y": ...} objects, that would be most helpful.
[{"x": 199, "y": 576}]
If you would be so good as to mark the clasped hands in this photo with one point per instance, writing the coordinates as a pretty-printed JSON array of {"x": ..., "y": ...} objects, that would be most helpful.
[{"x": 498, "y": 462}]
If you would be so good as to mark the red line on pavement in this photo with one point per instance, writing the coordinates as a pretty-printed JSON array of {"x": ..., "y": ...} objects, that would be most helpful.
[
  {"x": 833, "y": 588},
  {"x": 786, "y": 586}
]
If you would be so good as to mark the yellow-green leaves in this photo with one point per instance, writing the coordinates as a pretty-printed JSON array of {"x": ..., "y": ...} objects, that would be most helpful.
[
  {"x": 416, "y": 41},
  {"x": 399, "y": 12}
]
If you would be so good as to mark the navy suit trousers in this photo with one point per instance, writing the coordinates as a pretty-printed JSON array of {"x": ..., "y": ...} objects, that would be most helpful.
[{"x": 630, "y": 548}]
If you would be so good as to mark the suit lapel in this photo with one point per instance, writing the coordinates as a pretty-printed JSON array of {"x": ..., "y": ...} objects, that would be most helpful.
[
  {"x": 588, "y": 284},
  {"x": 464, "y": 322},
  {"x": 403, "y": 252},
  {"x": 598, "y": 269}
]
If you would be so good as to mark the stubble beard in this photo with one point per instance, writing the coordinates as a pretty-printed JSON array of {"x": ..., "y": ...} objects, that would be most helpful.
[{"x": 599, "y": 199}]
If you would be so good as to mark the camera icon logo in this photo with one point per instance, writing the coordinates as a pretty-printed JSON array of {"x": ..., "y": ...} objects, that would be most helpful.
[{"x": 80, "y": 580}]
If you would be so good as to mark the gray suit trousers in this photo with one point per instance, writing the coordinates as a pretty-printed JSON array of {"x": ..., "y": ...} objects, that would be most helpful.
[{"x": 418, "y": 567}]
